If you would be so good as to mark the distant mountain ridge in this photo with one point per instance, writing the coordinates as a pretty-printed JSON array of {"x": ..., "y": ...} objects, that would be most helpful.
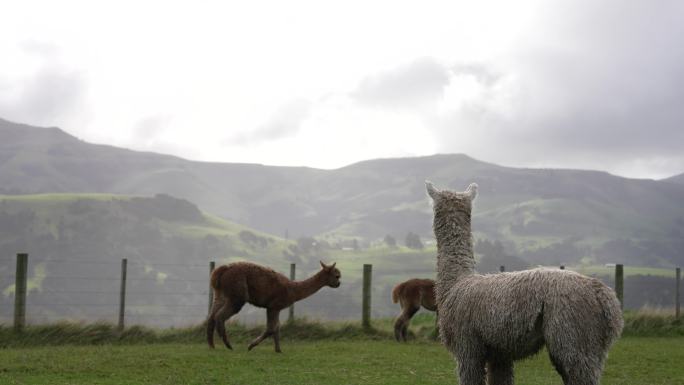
[
  {"x": 541, "y": 214},
  {"x": 676, "y": 179}
]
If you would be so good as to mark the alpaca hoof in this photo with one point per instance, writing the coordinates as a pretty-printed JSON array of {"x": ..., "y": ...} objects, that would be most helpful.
[
  {"x": 229, "y": 347},
  {"x": 278, "y": 351},
  {"x": 250, "y": 347}
]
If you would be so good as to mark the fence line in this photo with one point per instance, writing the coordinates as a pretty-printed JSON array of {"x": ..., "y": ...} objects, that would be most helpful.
[{"x": 131, "y": 307}]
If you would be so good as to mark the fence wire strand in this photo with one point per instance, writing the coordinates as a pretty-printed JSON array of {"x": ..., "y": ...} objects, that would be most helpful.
[{"x": 334, "y": 305}]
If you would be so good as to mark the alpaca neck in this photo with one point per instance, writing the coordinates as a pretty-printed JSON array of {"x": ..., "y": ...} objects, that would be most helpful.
[
  {"x": 306, "y": 288},
  {"x": 454, "y": 254}
]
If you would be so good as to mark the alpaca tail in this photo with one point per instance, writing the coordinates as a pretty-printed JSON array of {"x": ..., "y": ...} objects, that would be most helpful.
[
  {"x": 396, "y": 292},
  {"x": 612, "y": 311},
  {"x": 215, "y": 280}
]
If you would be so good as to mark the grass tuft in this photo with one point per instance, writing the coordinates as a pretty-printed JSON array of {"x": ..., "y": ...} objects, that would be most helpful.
[{"x": 653, "y": 322}]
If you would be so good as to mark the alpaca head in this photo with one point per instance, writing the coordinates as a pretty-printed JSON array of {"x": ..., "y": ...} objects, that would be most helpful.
[
  {"x": 331, "y": 274},
  {"x": 453, "y": 206}
]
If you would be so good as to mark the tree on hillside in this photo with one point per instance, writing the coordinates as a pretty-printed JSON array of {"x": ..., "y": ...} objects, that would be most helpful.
[
  {"x": 390, "y": 241},
  {"x": 413, "y": 241},
  {"x": 306, "y": 244},
  {"x": 494, "y": 256}
]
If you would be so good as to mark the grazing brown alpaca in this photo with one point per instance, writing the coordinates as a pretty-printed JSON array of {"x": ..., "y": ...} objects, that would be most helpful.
[
  {"x": 411, "y": 295},
  {"x": 244, "y": 282}
]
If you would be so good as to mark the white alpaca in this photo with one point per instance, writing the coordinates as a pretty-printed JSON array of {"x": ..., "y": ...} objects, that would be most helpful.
[{"x": 492, "y": 320}]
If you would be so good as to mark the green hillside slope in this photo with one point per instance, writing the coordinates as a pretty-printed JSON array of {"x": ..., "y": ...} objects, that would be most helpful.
[{"x": 544, "y": 215}]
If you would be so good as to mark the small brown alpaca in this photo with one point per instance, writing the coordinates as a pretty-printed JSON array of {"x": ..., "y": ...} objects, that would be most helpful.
[
  {"x": 245, "y": 282},
  {"x": 411, "y": 295}
]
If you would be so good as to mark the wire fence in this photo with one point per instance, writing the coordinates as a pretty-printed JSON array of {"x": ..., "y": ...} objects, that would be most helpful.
[{"x": 177, "y": 294}]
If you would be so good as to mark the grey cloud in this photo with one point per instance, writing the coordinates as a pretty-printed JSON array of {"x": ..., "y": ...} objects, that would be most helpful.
[
  {"x": 282, "y": 123},
  {"x": 151, "y": 126},
  {"x": 408, "y": 86},
  {"x": 599, "y": 81},
  {"x": 51, "y": 93}
]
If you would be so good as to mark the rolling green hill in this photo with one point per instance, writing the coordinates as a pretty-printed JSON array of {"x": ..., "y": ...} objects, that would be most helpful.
[
  {"x": 114, "y": 226},
  {"x": 76, "y": 242},
  {"x": 546, "y": 216}
]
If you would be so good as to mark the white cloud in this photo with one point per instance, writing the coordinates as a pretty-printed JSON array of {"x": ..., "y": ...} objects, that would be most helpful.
[{"x": 569, "y": 83}]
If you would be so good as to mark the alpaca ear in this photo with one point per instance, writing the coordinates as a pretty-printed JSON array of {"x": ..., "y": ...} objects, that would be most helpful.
[
  {"x": 323, "y": 265},
  {"x": 431, "y": 190},
  {"x": 333, "y": 265},
  {"x": 471, "y": 191}
]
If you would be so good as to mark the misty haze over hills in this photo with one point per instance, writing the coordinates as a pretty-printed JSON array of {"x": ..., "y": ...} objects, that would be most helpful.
[
  {"x": 171, "y": 216},
  {"x": 544, "y": 215}
]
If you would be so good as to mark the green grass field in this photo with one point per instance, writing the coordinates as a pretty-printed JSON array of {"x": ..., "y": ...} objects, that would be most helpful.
[{"x": 633, "y": 360}]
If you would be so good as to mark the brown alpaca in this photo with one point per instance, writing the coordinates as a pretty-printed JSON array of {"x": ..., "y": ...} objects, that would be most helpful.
[
  {"x": 411, "y": 295},
  {"x": 244, "y": 282}
]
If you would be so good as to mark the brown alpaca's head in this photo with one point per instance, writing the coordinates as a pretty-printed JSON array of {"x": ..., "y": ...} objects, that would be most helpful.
[{"x": 331, "y": 275}]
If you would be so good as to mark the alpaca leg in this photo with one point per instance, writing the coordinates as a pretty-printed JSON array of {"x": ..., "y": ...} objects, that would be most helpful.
[
  {"x": 560, "y": 367},
  {"x": 471, "y": 371},
  {"x": 470, "y": 355},
  {"x": 274, "y": 325},
  {"x": 577, "y": 366},
  {"x": 270, "y": 328},
  {"x": 211, "y": 321},
  {"x": 406, "y": 319},
  {"x": 225, "y": 312},
  {"x": 500, "y": 372},
  {"x": 258, "y": 340},
  {"x": 398, "y": 324},
  {"x": 585, "y": 371}
]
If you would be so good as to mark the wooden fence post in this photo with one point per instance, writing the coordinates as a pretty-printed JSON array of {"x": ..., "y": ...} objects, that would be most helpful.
[
  {"x": 20, "y": 292},
  {"x": 502, "y": 268},
  {"x": 290, "y": 316},
  {"x": 122, "y": 294},
  {"x": 678, "y": 277},
  {"x": 366, "y": 314},
  {"x": 620, "y": 284},
  {"x": 212, "y": 264}
]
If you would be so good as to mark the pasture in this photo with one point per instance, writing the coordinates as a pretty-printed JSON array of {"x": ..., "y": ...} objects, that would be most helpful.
[{"x": 633, "y": 360}]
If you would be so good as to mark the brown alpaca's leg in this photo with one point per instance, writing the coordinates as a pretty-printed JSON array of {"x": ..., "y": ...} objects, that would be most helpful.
[
  {"x": 276, "y": 330},
  {"x": 500, "y": 372},
  {"x": 407, "y": 315},
  {"x": 399, "y": 326},
  {"x": 227, "y": 310},
  {"x": 211, "y": 321},
  {"x": 271, "y": 324}
]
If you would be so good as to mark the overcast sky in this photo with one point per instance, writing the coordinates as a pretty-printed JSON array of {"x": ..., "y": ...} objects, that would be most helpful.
[{"x": 573, "y": 84}]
